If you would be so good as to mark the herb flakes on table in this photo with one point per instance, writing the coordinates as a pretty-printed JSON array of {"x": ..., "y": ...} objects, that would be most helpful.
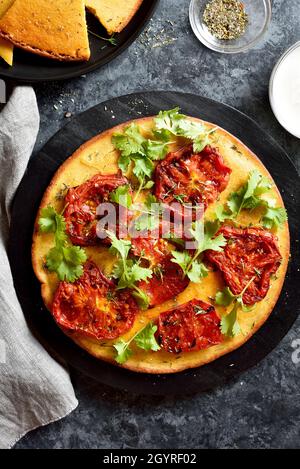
[{"x": 225, "y": 19}]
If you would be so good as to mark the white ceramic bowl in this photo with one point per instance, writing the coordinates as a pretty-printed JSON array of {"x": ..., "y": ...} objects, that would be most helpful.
[{"x": 290, "y": 94}]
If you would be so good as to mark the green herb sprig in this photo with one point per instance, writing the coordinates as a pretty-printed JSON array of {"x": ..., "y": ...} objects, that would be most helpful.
[
  {"x": 173, "y": 123},
  {"x": 111, "y": 40},
  {"x": 64, "y": 259},
  {"x": 128, "y": 271},
  {"x": 139, "y": 153},
  {"x": 193, "y": 266},
  {"x": 144, "y": 339},
  {"x": 229, "y": 323},
  {"x": 248, "y": 197},
  {"x": 122, "y": 196}
]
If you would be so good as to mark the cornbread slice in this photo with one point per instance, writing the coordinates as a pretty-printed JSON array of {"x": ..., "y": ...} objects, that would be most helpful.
[
  {"x": 6, "y": 47},
  {"x": 6, "y": 51},
  {"x": 52, "y": 28},
  {"x": 114, "y": 15}
]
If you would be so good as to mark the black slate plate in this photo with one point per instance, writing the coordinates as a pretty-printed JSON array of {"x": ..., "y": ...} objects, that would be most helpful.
[
  {"x": 39, "y": 173},
  {"x": 30, "y": 68}
]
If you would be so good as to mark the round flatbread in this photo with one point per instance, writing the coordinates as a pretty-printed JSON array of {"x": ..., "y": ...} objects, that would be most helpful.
[{"x": 99, "y": 156}]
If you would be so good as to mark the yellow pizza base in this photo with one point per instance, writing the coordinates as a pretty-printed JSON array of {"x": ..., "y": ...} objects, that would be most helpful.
[
  {"x": 51, "y": 28},
  {"x": 98, "y": 155},
  {"x": 114, "y": 15}
]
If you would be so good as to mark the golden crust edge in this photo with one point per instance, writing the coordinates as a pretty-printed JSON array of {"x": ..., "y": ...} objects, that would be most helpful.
[
  {"x": 167, "y": 370},
  {"x": 44, "y": 53},
  {"x": 124, "y": 23}
]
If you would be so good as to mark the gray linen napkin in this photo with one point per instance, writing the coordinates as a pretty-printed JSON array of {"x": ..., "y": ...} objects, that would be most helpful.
[{"x": 34, "y": 389}]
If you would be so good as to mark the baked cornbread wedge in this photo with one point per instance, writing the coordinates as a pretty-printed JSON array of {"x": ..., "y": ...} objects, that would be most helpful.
[
  {"x": 51, "y": 28},
  {"x": 6, "y": 47},
  {"x": 114, "y": 15}
]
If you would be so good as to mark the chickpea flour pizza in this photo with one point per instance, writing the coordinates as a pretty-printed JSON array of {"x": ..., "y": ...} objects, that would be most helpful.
[{"x": 161, "y": 244}]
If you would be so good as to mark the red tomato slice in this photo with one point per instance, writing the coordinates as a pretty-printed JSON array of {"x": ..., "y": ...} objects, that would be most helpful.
[
  {"x": 167, "y": 280},
  {"x": 249, "y": 253},
  {"x": 81, "y": 204},
  {"x": 92, "y": 307},
  {"x": 192, "y": 326},
  {"x": 194, "y": 178}
]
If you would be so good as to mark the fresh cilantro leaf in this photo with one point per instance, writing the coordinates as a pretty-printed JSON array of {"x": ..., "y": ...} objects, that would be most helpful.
[
  {"x": 146, "y": 340},
  {"x": 183, "y": 259},
  {"x": 172, "y": 237},
  {"x": 191, "y": 129},
  {"x": 200, "y": 143},
  {"x": 156, "y": 150},
  {"x": 119, "y": 247},
  {"x": 197, "y": 272},
  {"x": 129, "y": 142},
  {"x": 133, "y": 148},
  {"x": 205, "y": 239},
  {"x": 64, "y": 259},
  {"x": 178, "y": 124},
  {"x": 148, "y": 185},
  {"x": 123, "y": 351},
  {"x": 139, "y": 273},
  {"x": 212, "y": 242},
  {"x": 164, "y": 135},
  {"x": 147, "y": 222},
  {"x": 151, "y": 214},
  {"x": 143, "y": 167},
  {"x": 150, "y": 200},
  {"x": 224, "y": 297},
  {"x": 136, "y": 149},
  {"x": 274, "y": 217},
  {"x": 127, "y": 271},
  {"x": 74, "y": 255},
  {"x": 247, "y": 197},
  {"x": 141, "y": 298},
  {"x": 222, "y": 213},
  {"x": 47, "y": 220},
  {"x": 130, "y": 272},
  {"x": 124, "y": 163},
  {"x": 229, "y": 323},
  {"x": 205, "y": 236},
  {"x": 168, "y": 121},
  {"x": 121, "y": 195},
  {"x": 244, "y": 307},
  {"x": 171, "y": 122}
]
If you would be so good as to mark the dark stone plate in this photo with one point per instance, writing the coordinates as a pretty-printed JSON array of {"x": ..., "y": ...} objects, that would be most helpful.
[
  {"x": 31, "y": 68},
  {"x": 38, "y": 175}
]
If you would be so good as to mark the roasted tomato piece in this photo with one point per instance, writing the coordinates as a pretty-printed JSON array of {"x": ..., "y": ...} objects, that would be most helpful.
[
  {"x": 192, "y": 326},
  {"x": 190, "y": 177},
  {"x": 167, "y": 280},
  {"x": 81, "y": 204},
  {"x": 92, "y": 307},
  {"x": 250, "y": 253}
]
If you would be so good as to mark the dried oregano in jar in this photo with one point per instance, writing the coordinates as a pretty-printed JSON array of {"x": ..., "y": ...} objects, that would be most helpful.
[{"x": 225, "y": 19}]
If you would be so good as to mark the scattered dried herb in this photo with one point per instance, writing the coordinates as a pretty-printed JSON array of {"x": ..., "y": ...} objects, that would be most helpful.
[{"x": 225, "y": 19}]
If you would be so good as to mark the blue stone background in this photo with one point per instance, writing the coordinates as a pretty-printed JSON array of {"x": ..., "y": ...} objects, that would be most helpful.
[{"x": 261, "y": 409}]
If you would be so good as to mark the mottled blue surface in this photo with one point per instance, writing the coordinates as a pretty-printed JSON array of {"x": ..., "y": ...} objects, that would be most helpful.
[{"x": 262, "y": 408}]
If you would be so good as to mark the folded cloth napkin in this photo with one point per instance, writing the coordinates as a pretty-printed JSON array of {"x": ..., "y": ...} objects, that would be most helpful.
[{"x": 34, "y": 389}]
